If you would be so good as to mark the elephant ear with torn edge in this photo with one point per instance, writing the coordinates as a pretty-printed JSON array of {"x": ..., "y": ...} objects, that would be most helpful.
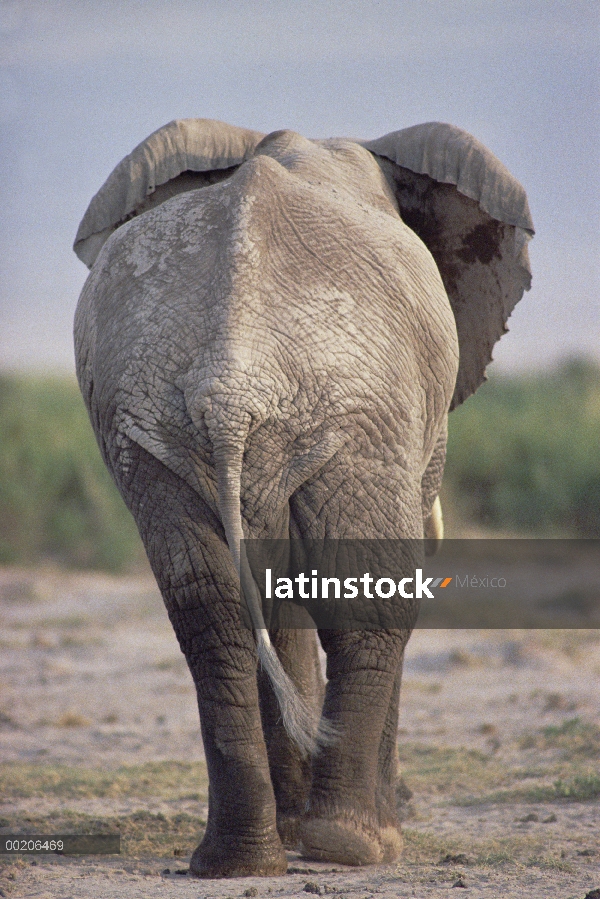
[
  {"x": 474, "y": 218},
  {"x": 184, "y": 155}
]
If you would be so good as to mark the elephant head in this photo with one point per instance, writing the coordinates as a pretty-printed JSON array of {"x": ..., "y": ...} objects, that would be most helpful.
[{"x": 269, "y": 342}]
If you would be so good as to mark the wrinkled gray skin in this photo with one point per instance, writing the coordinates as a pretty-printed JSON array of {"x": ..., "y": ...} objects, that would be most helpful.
[{"x": 289, "y": 316}]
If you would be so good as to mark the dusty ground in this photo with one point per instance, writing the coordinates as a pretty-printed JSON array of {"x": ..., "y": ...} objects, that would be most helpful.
[{"x": 499, "y": 743}]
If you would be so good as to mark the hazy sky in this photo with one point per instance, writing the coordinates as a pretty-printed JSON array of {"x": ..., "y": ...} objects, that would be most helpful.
[{"x": 83, "y": 81}]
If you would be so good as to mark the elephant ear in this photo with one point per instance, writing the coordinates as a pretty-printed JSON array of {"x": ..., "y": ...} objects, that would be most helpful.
[
  {"x": 183, "y": 155},
  {"x": 474, "y": 218}
]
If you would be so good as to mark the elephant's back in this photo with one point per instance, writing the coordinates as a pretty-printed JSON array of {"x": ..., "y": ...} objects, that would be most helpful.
[
  {"x": 320, "y": 314},
  {"x": 301, "y": 265}
]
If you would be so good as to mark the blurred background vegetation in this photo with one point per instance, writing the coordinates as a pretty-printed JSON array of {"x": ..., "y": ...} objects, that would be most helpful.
[
  {"x": 524, "y": 454},
  {"x": 57, "y": 500},
  {"x": 523, "y": 459}
]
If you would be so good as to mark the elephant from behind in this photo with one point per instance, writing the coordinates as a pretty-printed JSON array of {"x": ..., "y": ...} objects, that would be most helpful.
[{"x": 269, "y": 342}]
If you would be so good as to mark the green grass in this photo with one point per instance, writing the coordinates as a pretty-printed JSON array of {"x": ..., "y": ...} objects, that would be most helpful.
[
  {"x": 57, "y": 500},
  {"x": 523, "y": 454},
  {"x": 573, "y": 737},
  {"x": 522, "y": 458}
]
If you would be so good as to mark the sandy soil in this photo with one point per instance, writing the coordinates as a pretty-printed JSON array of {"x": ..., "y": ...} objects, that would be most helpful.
[{"x": 499, "y": 743}]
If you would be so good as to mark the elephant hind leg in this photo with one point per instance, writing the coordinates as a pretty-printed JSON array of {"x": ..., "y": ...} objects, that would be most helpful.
[
  {"x": 195, "y": 572},
  {"x": 350, "y": 819},
  {"x": 388, "y": 779}
]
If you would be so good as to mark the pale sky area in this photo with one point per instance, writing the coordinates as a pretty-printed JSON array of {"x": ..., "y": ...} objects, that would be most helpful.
[{"x": 83, "y": 81}]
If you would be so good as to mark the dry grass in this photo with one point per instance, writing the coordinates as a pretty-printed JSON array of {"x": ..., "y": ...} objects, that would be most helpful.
[
  {"x": 572, "y": 737},
  {"x": 454, "y": 854},
  {"x": 160, "y": 780},
  {"x": 143, "y": 833},
  {"x": 579, "y": 788},
  {"x": 450, "y": 770}
]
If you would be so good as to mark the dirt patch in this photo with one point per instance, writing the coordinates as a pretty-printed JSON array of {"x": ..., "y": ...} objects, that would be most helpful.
[{"x": 499, "y": 745}]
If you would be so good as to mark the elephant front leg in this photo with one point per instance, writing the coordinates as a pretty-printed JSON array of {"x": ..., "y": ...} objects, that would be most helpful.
[
  {"x": 290, "y": 772},
  {"x": 350, "y": 819}
]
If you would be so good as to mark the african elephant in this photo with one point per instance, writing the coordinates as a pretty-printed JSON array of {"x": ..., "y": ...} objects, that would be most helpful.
[{"x": 270, "y": 339}]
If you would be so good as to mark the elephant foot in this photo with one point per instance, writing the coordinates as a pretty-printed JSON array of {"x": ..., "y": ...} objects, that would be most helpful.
[
  {"x": 348, "y": 842},
  {"x": 214, "y": 861}
]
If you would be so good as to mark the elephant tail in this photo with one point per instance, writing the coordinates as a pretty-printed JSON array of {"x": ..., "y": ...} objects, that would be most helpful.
[{"x": 298, "y": 719}]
